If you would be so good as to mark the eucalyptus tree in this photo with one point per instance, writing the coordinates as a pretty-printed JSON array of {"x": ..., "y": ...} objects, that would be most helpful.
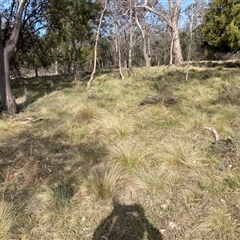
[
  {"x": 96, "y": 43},
  {"x": 192, "y": 43},
  {"x": 9, "y": 35},
  {"x": 74, "y": 23},
  {"x": 117, "y": 31},
  {"x": 145, "y": 32},
  {"x": 170, "y": 15},
  {"x": 24, "y": 23}
]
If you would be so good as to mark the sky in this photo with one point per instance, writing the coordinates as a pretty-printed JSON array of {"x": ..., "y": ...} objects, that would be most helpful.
[{"x": 185, "y": 3}]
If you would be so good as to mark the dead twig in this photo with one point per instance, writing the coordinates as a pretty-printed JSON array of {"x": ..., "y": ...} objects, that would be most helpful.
[{"x": 213, "y": 130}]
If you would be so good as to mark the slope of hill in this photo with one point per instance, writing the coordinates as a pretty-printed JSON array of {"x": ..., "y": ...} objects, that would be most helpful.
[{"x": 147, "y": 157}]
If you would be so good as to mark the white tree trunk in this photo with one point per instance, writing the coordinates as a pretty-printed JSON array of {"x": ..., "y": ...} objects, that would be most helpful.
[
  {"x": 96, "y": 45},
  {"x": 172, "y": 21}
]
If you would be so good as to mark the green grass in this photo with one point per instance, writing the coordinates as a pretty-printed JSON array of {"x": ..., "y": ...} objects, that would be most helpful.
[{"x": 101, "y": 165}]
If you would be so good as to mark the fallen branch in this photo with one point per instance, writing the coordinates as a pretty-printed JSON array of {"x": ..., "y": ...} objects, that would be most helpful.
[{"x": 213, "y": 130}]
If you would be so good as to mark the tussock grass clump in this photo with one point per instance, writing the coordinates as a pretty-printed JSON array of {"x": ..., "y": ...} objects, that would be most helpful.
[
  {"x": 111, "y": 127},
  {"x": 6, "y": 219},
  {"x": 196, "y": 120},
  {"x": 230, "y": 94},
  {"x": 151, "y": 182},
  {"x": 179, "y": 153},
  {"x": 233, "y": 181},
  {"x": 55, "y": 198},
  {"x": 87, "y": 113},
  {"x": 218, "y": 225},
  {"x": 128, "y": 155},
  {"x": 102, "y": 180}
]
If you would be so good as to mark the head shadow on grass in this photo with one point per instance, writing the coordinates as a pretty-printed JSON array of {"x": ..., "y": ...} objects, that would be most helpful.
[{"x": 126, "y": 222}]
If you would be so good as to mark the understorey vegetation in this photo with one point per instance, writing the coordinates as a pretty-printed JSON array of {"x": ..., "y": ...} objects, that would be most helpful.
[{"x": 150, "y": 156}]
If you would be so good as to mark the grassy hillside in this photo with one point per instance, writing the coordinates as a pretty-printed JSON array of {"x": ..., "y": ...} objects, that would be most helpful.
[{"x": 147, "y": 157}]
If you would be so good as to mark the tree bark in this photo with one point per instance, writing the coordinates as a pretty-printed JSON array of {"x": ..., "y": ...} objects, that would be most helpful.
[
  {"x": 130, "y": 36},
  {"x": 190, "y": 44},
  {"x": 144, "y": 46},
  {"x": 2, "y": 76},
  {"x": 119, "y": 56},
  {"x": 177, "y": 50},
  {"x": 7, "y": 100}
]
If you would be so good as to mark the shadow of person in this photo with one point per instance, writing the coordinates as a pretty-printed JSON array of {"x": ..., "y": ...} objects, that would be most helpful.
[{"x": 126, "y": 222}]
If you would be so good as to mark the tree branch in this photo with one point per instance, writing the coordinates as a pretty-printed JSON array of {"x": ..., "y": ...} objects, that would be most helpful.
[
  {"x": 212, "y": 129},
  {"x": 161, "y": 16},
  {"x": 16, "y": 29}
]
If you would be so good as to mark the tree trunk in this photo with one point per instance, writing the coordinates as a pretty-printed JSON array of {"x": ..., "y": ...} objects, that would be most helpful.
[
  {"x": 56, "y": 67},
  {"x": 190, "y": 44},
  {"x": 10, "y": 101},
  {"x": 2, "y": 77},
  {"x": 119, "y": 56},
  {"x": 7, "y": 100},
  {"x": 131, "y": 39},
  {"x": 145, "y": 53},
  {"x": 36, "y": 72},
  {"x": 144, "y": 47},
  {"x": 172, "y": 21},
  {"x": 177, "y": 51},
  {"x": 171, "y": 49},
  {"x": 96, "y": 45}
]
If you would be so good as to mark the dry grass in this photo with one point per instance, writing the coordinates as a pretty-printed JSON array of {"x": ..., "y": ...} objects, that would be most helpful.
[
  {"x": 6, "y": 219},
  {"x": 96, "y": 165},
  {"x": 102, "y": 180}
]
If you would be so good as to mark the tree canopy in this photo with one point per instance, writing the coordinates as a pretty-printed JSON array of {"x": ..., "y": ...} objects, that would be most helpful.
[{"x": 221, "y": 25}]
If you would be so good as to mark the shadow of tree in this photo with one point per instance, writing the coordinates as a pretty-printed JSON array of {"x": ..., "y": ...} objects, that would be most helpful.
[
  {"x": 126, "y": 222},
  {"x": 36, "y": 87},
  {"x": 29, "y": 159}
]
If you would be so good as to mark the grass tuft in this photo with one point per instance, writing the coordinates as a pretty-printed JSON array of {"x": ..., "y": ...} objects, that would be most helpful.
[
  {"x": 102, "y": 180},
  {"x": 6, "y": 219},
  {"x": 128, "y": 155},
  {"x": 55, "y": 198},
  {"x": 179, "y": 153},
  {"x": 87, "y": 113},
  {"x": 230, "y": 94},
  {"x": 218, "y": 225}
]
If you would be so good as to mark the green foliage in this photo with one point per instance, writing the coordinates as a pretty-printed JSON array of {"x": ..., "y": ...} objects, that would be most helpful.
[
  {"x": 220, "y": 26},
  {"x": 74, "y": 25},
  {"x": 51, "y": 30}
]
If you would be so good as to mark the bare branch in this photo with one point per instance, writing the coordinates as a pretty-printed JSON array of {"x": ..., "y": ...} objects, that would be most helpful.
[
  {"x": 142, "y": 5},
  {"x": 213, "y": 130},
  {"x": 161, "y": 16},
  {"x": 127, "y": 11},
  {"x": 139, "y": 25}
]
